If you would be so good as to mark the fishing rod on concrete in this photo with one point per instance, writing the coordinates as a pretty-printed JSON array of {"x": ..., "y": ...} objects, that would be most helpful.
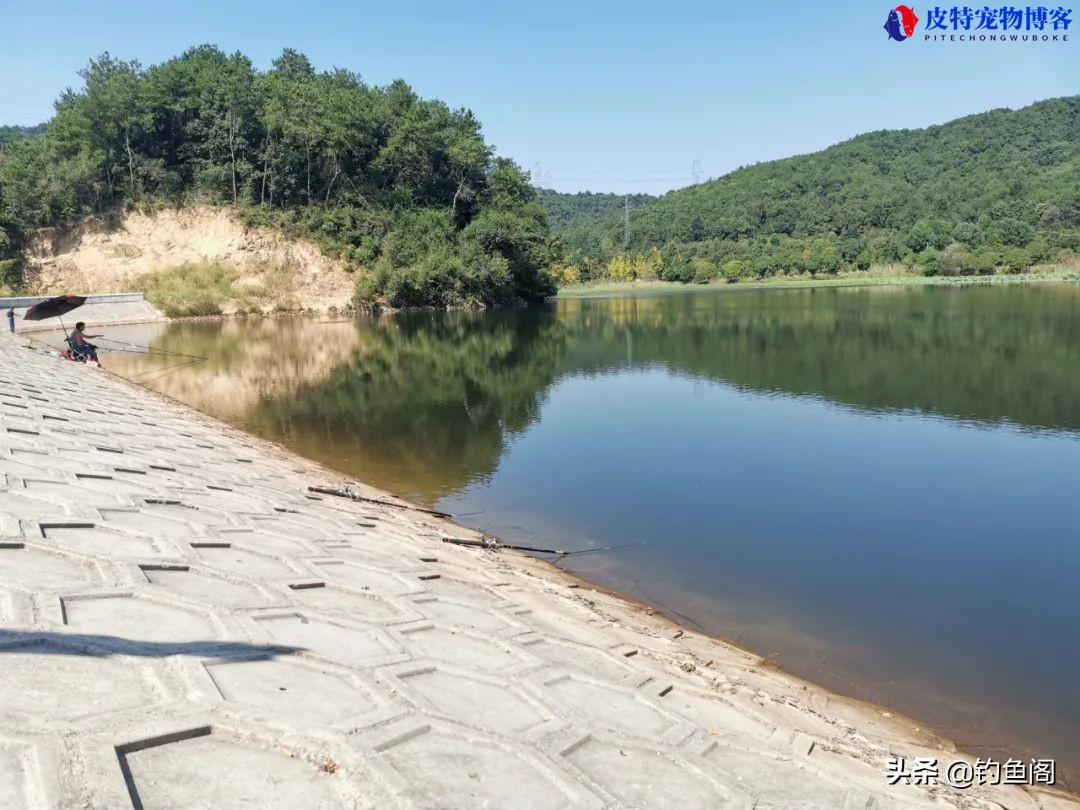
[
  {"x": 494, "y": 544},
  {"x": 353, "y": 495},
  {"x": 488, "y": 542}
]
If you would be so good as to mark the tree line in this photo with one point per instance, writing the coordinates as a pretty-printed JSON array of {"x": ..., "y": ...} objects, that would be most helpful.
[
  {"x": 994, "y": 192},
  {"x": 404, "y": 187}
]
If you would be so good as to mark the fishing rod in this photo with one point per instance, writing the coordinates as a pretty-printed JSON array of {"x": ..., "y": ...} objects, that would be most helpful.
[
  {"x": 353, "y": 495},
  {"x": 494, "y": 544},
  {"x": 157, "y": 373},
  {"x": 144, "y": 351},
  {"x": 123, "y": 342},
  {"x": 148, "y": 349}
]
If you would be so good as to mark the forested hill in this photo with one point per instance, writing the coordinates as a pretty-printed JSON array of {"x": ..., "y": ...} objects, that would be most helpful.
[
  {"x": 404, "y": 189},
  {"x": 997, "y": 191},
  {"x": 566, "y": 210}
]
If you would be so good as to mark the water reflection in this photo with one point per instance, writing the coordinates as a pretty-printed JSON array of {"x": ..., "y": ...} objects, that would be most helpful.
[
  {"x": 246, "y": 363},
  {"x": 874, "y": 486},
  {"x": 983, "y": 353},
  {"x": 430, "y": 399},
  {"x": 434, "y": 397}
]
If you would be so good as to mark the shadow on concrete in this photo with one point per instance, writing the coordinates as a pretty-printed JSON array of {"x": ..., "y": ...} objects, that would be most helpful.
[{"x": 46, "y": 643}]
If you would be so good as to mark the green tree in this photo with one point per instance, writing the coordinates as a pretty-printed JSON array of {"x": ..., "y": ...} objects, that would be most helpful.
[{"x": 403, "y": 188}]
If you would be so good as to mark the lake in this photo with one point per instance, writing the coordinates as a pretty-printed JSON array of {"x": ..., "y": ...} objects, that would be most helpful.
[{"x": 878, "y": 488}]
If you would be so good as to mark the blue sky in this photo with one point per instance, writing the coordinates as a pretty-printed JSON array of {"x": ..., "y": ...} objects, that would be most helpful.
[{"x": 600, "y": 95}]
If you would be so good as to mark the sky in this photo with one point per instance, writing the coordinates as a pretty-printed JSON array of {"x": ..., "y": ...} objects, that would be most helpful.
[{"x": 591, "y": 95}]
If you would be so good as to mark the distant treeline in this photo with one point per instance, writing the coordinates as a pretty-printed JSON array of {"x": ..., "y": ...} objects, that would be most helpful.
[
  {"x": 401, "y": 186},
  {"x": 995, "y": 192},
  {"x": 14, "y": 133}
]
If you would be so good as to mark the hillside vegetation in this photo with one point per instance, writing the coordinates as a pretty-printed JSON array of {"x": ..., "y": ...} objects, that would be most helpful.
[
  {"x": 565, "y": 211},
  {"x": 404, "y": 190},
  {"x": 995, "y": 192}
]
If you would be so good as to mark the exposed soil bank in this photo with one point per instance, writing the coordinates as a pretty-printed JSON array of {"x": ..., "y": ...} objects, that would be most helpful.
[{"x": 272, "y": 270}]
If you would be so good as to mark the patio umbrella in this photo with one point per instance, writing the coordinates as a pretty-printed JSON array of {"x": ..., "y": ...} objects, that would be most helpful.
[{"x": 53, "y": 308}]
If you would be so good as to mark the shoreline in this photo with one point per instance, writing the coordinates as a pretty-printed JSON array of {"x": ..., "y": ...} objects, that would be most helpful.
[
  {"x": 1047, "y": 275},
  {"x": 605, "y": 287}
]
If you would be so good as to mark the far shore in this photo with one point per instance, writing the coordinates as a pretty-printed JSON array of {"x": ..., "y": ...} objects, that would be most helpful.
[
  {"x": 1041, "y": 274},
  {"x": 607, "y": 287}
]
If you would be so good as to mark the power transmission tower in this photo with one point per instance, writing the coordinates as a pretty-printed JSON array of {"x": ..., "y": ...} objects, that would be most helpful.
[
  {"x": 695, "y": 170},
  {"x": 540, "y": 178}
]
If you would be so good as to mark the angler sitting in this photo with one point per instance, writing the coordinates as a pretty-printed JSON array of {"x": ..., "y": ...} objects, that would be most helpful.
[{"x": 81, "y": 349}]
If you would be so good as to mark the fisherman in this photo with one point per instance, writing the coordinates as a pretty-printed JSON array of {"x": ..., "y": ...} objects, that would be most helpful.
[
  {"x": 80, "y": 347},
  {"x": 11, "y": 319}
]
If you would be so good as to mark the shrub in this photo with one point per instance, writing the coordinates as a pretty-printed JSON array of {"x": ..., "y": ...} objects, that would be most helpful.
[
  {"x": 983, "y": 262},
  {"x": 735, "y": 270},
  {"x": 1017, "y": 260},
  {"x": 704, "y": 270},
  {"x": 11, "y": 273},
  {"x": 954, "y": 261},
  {"x": 565, "y": 274},
  {"x": 683, "y": 272},
  {"x": 825, "y": 259},
  {"x": 930, "y": 262},
  {"x": 620, "y": 268}
]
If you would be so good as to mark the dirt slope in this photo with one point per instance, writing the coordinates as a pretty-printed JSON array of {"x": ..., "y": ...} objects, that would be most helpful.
[{"x": 98, "y": 257}]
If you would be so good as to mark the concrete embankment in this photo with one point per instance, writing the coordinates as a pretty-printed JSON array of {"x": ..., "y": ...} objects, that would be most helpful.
[
  {"x": 185, "y": 624},
  {"x": 111, "y": 308}
]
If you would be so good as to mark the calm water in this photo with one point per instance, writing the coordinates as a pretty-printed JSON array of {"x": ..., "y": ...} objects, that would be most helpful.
[{"x": 879, "y": 488}]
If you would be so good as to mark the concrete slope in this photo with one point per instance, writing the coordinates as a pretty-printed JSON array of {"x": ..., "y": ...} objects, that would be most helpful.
[{"x": 182, "y": 624}]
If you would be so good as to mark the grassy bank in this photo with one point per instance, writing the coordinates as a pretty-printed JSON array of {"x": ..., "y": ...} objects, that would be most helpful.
[
  {"x": 207, "y": 289},
  {"x": 190, "y": 289}
]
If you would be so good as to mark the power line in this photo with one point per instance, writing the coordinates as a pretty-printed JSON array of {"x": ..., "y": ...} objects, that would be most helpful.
[
  {"x": 677, "y": 181},
  {"x": 636, "y": 170},
  {"x": 9, "y": 103}
]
